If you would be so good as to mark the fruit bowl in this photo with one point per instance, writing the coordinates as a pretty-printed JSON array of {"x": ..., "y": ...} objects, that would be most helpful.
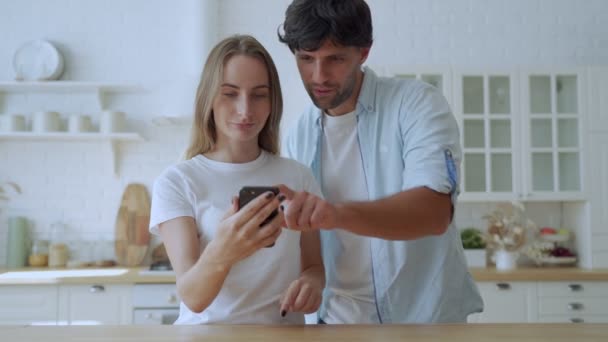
[
  {"x": 552, "y": 260},
  {"x": 555, "y": 237}
]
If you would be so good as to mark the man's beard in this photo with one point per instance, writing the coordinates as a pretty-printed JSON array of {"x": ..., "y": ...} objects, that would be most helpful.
[{"x": 340, "y": 97}]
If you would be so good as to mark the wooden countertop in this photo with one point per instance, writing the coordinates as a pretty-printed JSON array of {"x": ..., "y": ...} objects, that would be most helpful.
[
  {"x": 118, "y": 275},
  {"x": 334, "y": 333},
  {"x": 540, "y": 274}
]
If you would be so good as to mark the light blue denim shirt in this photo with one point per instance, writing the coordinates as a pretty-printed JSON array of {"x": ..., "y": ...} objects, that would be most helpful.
[{"x": 408, "y": 138}]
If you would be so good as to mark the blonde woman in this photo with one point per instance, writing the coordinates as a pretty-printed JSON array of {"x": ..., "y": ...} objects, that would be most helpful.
[{"x": 224, "y": 272}]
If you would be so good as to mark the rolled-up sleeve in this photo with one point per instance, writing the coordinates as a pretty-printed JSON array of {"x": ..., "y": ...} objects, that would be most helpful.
[{"x": 431, "y": 151}]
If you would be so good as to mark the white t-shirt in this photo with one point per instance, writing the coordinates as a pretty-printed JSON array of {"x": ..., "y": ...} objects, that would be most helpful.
[
  {"x": 202, "y": 188},
  {"x": 350, "y": 292}
]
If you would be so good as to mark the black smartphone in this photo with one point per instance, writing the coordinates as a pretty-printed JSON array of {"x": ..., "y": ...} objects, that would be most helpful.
[{"x": 248, "y": 193}]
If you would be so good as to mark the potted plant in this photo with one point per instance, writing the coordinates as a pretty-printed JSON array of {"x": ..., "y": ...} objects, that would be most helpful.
[
  {"x": 506, "y": 234},
  {"x": 474, "y": 247}
]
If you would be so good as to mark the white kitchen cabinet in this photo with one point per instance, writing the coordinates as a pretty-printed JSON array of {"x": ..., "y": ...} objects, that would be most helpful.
[
  {"x": 575, "y": 302},
  {"x": 95, "y": 304},
  {"x": 598, "y": 233},
  {"x": 485, "y": 105},
  {"x": 28, "y": 304},
  {"x": 553, "y": 105},
  {"x": 521, "y": 135},
  {"x": 507, "y": 302},
  {"x": 440, "y": 78}
]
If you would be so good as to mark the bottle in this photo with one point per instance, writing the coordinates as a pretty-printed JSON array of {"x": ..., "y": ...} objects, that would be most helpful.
[
  {"x": 18, "y": 242},
  {"x": 58, "y": 251}
]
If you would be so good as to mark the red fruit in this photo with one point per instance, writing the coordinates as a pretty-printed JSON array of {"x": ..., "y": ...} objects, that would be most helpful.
[{"x": 548, "y": 231}]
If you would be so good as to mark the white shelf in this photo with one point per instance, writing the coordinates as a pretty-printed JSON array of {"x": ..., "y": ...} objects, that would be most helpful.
[
  {"x": 93, "y": 136},
  {"x": 110, "y": 140},
  {"x": 172, "y": 121},
  {"x": 66, "y": 86}
]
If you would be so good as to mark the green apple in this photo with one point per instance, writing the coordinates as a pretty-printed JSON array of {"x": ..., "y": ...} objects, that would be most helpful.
[{"x": 563, "y": 231}]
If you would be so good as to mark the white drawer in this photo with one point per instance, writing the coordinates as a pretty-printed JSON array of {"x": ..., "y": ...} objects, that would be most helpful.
[
  {"x": 36, "y": 304},
  {"x": 573, "y": 319},
  {"x": 155, "y": 296},
  {"x": 573, "y": 288},
  {"x": 573, "y": 305}
]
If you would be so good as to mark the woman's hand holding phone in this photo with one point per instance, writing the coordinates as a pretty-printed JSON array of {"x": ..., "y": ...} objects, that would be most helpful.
[{"x": 240, "y": 233}]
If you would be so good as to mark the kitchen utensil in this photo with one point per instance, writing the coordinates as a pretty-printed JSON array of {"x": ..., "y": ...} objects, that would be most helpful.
[
  {"x": 38, "y": 60},
  {"x": 131, "y": 232}
]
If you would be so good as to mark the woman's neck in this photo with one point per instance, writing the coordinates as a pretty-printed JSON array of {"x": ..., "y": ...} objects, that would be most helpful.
[{"x": 234, "y": 154}]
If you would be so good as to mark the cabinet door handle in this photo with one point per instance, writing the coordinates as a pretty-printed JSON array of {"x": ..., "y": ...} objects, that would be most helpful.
[
  {"x": 503, "y": 286},
  {"x": 172, "y": 299},
  {"x": 575, "y": 306},
  {"x": 577, "y": 320},
  {"x": 575, "y": 287},
  {"x": 97, "y": 288}
]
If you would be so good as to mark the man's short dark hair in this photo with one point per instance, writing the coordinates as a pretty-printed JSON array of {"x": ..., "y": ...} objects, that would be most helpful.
[{"x": 308, "y": 23}]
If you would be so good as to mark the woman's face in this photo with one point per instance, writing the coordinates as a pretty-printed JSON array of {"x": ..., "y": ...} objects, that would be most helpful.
[{"x": 242, "y": 104}]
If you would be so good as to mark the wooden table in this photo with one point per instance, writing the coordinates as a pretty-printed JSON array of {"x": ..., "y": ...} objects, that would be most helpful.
[{"x": 333, "y": 333}]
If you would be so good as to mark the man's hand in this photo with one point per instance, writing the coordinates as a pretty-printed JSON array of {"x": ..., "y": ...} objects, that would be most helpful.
[{"x": 304, "y": 211}]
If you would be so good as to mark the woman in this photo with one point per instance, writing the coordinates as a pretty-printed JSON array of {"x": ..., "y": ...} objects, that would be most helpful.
[{"x": 224, "y": 272}]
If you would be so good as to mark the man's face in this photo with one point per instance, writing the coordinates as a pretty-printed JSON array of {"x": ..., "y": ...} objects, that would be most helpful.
[{"x": 332, "y": 75}]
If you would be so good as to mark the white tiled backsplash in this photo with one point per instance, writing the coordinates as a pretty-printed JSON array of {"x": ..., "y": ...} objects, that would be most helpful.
[{"x": 124, "y": 41}]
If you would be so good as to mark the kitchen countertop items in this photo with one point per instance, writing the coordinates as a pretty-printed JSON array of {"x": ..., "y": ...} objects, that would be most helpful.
[{"x": 131, "y": 232}]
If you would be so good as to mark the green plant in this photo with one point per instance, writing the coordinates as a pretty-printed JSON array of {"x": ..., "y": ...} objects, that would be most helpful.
[
  {"x": 472, "y": 238},
  {"x": 6, "y": 186}
]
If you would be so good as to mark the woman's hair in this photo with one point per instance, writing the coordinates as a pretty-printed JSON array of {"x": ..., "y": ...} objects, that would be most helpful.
[
  {"x": 203, "y": 137},
  {"x": 308, "y": 23}
]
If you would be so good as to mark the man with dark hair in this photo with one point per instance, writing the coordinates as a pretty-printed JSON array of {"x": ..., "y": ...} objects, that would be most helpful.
[{"x": 386, "y": 153}]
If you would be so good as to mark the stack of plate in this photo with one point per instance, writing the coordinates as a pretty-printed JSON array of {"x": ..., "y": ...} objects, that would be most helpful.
[{"x": 38, "y": 60}]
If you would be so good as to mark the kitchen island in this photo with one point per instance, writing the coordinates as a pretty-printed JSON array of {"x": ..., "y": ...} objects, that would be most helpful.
[
  {"x": 333, "y": 333},
  {"x": 126, "y": 275}
]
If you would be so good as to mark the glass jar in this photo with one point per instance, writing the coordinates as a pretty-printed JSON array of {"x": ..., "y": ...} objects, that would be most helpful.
[
  {"x": 58, "y": 251},
  {"x": 39, "y": 256}
]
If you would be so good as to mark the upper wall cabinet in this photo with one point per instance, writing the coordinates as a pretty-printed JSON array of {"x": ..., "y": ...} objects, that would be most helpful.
[
  {"x": 486, "y": 107},
  {"x": 521, "y": 131},
  {"x": 552, "y": 107},
  {"x": 521, "y": 134},
  {"x": 437, "y": 77}
]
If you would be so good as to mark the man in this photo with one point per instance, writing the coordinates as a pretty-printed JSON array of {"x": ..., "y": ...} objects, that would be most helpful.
[{"x": 386, "y": 153}]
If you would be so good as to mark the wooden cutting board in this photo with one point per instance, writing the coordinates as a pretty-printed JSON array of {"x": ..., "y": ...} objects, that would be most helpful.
[{"x": 131, "y": 232}]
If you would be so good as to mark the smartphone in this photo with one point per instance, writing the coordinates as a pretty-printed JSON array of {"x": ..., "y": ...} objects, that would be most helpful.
[{"x": 248, "y": 193}]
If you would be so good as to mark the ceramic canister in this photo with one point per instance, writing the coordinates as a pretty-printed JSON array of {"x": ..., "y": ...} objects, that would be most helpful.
[
  {"x": 111, "y": 122},
  {"x": 79, "y": 123},
  {"x": 18, "y": 242},
  {"x": 46, "y": 122},
  {"x": 12, "y": 123}
]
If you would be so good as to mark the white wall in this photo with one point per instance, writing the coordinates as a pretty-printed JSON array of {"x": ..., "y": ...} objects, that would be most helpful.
[{"x": 160, "y": 44}]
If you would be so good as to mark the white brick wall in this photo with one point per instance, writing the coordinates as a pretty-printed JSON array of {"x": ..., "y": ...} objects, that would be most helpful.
[{"x": 161, "y": 45}]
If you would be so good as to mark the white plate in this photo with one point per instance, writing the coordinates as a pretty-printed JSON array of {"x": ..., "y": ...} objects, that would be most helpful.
[
  {"x": 37, "y": 60},
  {"x": 555, "y": 237},
  {"x": 558, "y": 260}
]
